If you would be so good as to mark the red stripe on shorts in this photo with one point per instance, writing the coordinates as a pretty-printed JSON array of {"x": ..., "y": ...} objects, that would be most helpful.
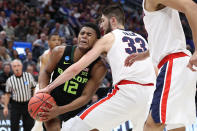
[
  {"x": 170, "y": 57},
  {"x": 166, "y": 92},
  {"x": 86, "y": 112},
  {"x": 123, "y": 82}
]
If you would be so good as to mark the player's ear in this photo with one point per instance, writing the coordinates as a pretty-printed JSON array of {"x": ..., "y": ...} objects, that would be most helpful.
[{"x": 113, "y": 20}]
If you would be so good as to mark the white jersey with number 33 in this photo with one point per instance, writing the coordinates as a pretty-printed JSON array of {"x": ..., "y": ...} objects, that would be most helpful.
[{"x": 126, "y": 43}]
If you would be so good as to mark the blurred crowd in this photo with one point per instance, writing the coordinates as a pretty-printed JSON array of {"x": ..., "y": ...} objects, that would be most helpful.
[{"x": 33, "y": 20}]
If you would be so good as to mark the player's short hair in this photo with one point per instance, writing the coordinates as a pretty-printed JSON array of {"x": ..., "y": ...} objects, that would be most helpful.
[
  {"x": 114, "y": 10},
  {"x": 94, "y": 27},
  {"x": 52, "y": 34}
]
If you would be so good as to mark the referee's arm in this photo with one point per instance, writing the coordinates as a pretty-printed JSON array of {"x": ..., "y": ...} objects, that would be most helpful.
[
  {"x": 7, "y": 97},
  {"x": 33, "y": 84}
]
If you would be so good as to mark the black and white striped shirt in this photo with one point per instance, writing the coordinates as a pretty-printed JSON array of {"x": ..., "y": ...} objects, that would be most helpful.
[{"x": 20, "y": 87}]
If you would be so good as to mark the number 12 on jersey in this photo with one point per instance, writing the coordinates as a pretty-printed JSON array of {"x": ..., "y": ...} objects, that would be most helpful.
[{"x": 71, "y": 88}]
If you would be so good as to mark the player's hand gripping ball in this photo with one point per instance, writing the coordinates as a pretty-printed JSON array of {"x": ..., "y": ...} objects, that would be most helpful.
[{"x": 38, "y": 100}]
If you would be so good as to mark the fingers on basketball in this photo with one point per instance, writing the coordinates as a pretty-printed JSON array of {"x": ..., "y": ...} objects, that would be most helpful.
[{"x": 37, "y": 101}]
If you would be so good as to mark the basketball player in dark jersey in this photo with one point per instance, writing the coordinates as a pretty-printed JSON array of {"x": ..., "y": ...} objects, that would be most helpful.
[
  {"x": 72, "y": 96},
  {"x": 53, "y": 41}
]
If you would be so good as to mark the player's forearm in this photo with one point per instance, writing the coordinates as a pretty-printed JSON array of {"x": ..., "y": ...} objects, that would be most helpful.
[
  {"x": 79, "y": 102},
  {"x": 142, "y": 55},
  {"x": 145, "y": 55},
  {"x": 68, "y": 74},
  {"x": 191, "y": 14},
  {"x": 74, "y": 69},
  {"x": 43, "y": 79}
]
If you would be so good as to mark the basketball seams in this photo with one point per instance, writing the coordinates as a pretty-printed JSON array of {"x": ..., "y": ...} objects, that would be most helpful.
[
  {"x": 42, "y": 98},
  {"x": 37, "y": 100},
  {"x": 43, "y": 102},
  {"x": 34, "y": 102}
]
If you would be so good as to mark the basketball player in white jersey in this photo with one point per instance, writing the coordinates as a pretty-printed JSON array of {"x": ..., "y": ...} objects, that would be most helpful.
[
  {"x": 173, "y": 102},
  {"x": 134, "y": 86},
  {"x": 53, "y": 41}
]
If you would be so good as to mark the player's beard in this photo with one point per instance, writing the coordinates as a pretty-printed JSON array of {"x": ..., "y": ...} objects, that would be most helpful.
[{"x": 109, "y": 28}]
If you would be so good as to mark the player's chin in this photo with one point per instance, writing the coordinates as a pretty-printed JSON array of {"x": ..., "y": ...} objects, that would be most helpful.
[{"x": 83, "y": 47}]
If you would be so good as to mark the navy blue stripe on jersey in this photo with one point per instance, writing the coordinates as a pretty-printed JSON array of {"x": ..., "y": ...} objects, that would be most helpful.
[{"x": 155, "y": 107}]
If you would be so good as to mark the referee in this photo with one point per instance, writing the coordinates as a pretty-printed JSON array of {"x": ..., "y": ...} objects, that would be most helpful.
[{"x": 19, "y": 86}]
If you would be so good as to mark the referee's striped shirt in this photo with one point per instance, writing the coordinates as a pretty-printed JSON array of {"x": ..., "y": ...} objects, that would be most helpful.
[{"x": 20, "y": 87}]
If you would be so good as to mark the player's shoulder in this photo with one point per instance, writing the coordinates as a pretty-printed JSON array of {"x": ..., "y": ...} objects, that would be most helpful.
[
  {"x": 58, "y": 52},
  {"x": 58, "y": 49},
  {"x": 100, "y": 64},
  {"x": 44, "y": 55},
  {"x": 106, "y": 41},
  {"x": 108, "y": 36},
  {"x": 45, "y": 52}
]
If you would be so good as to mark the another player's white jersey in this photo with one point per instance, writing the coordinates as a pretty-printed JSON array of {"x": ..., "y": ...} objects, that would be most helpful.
[
  {"x": 165, "y": 33},
  {"x": 126, "y": 43}
]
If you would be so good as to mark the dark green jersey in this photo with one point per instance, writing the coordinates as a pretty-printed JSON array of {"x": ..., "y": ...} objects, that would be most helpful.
[{"x": 72, "y": 89}]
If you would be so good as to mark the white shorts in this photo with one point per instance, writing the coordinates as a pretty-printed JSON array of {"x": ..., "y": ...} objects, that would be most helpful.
[
  {"x": 126, "y": 102},
  {"x": 37, "y": 126},
  {"x": 37, "y": 88},
  {"x": 174, "y": 98}
]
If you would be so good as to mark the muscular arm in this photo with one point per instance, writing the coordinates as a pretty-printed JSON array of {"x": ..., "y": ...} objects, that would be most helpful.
[
  {"x": 49, "y": 66},
  {"x": 43, "y": 61},
  {"x": 97, "y": 74},
  {"x": 101, "y": 46}
]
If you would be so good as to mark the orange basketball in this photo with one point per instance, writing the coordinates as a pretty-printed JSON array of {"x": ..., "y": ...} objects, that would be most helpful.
[{"x": 36, "y": 102}]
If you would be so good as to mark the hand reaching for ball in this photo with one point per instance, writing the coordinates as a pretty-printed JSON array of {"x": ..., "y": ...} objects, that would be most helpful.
[{"x": 49, "y": 113}]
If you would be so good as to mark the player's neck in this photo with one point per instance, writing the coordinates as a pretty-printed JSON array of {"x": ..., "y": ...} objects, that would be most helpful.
[
  {"x": 78, "y": 53},
  {"x": 50, "y": 50},
  {"x": 118, "y": 27}
]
